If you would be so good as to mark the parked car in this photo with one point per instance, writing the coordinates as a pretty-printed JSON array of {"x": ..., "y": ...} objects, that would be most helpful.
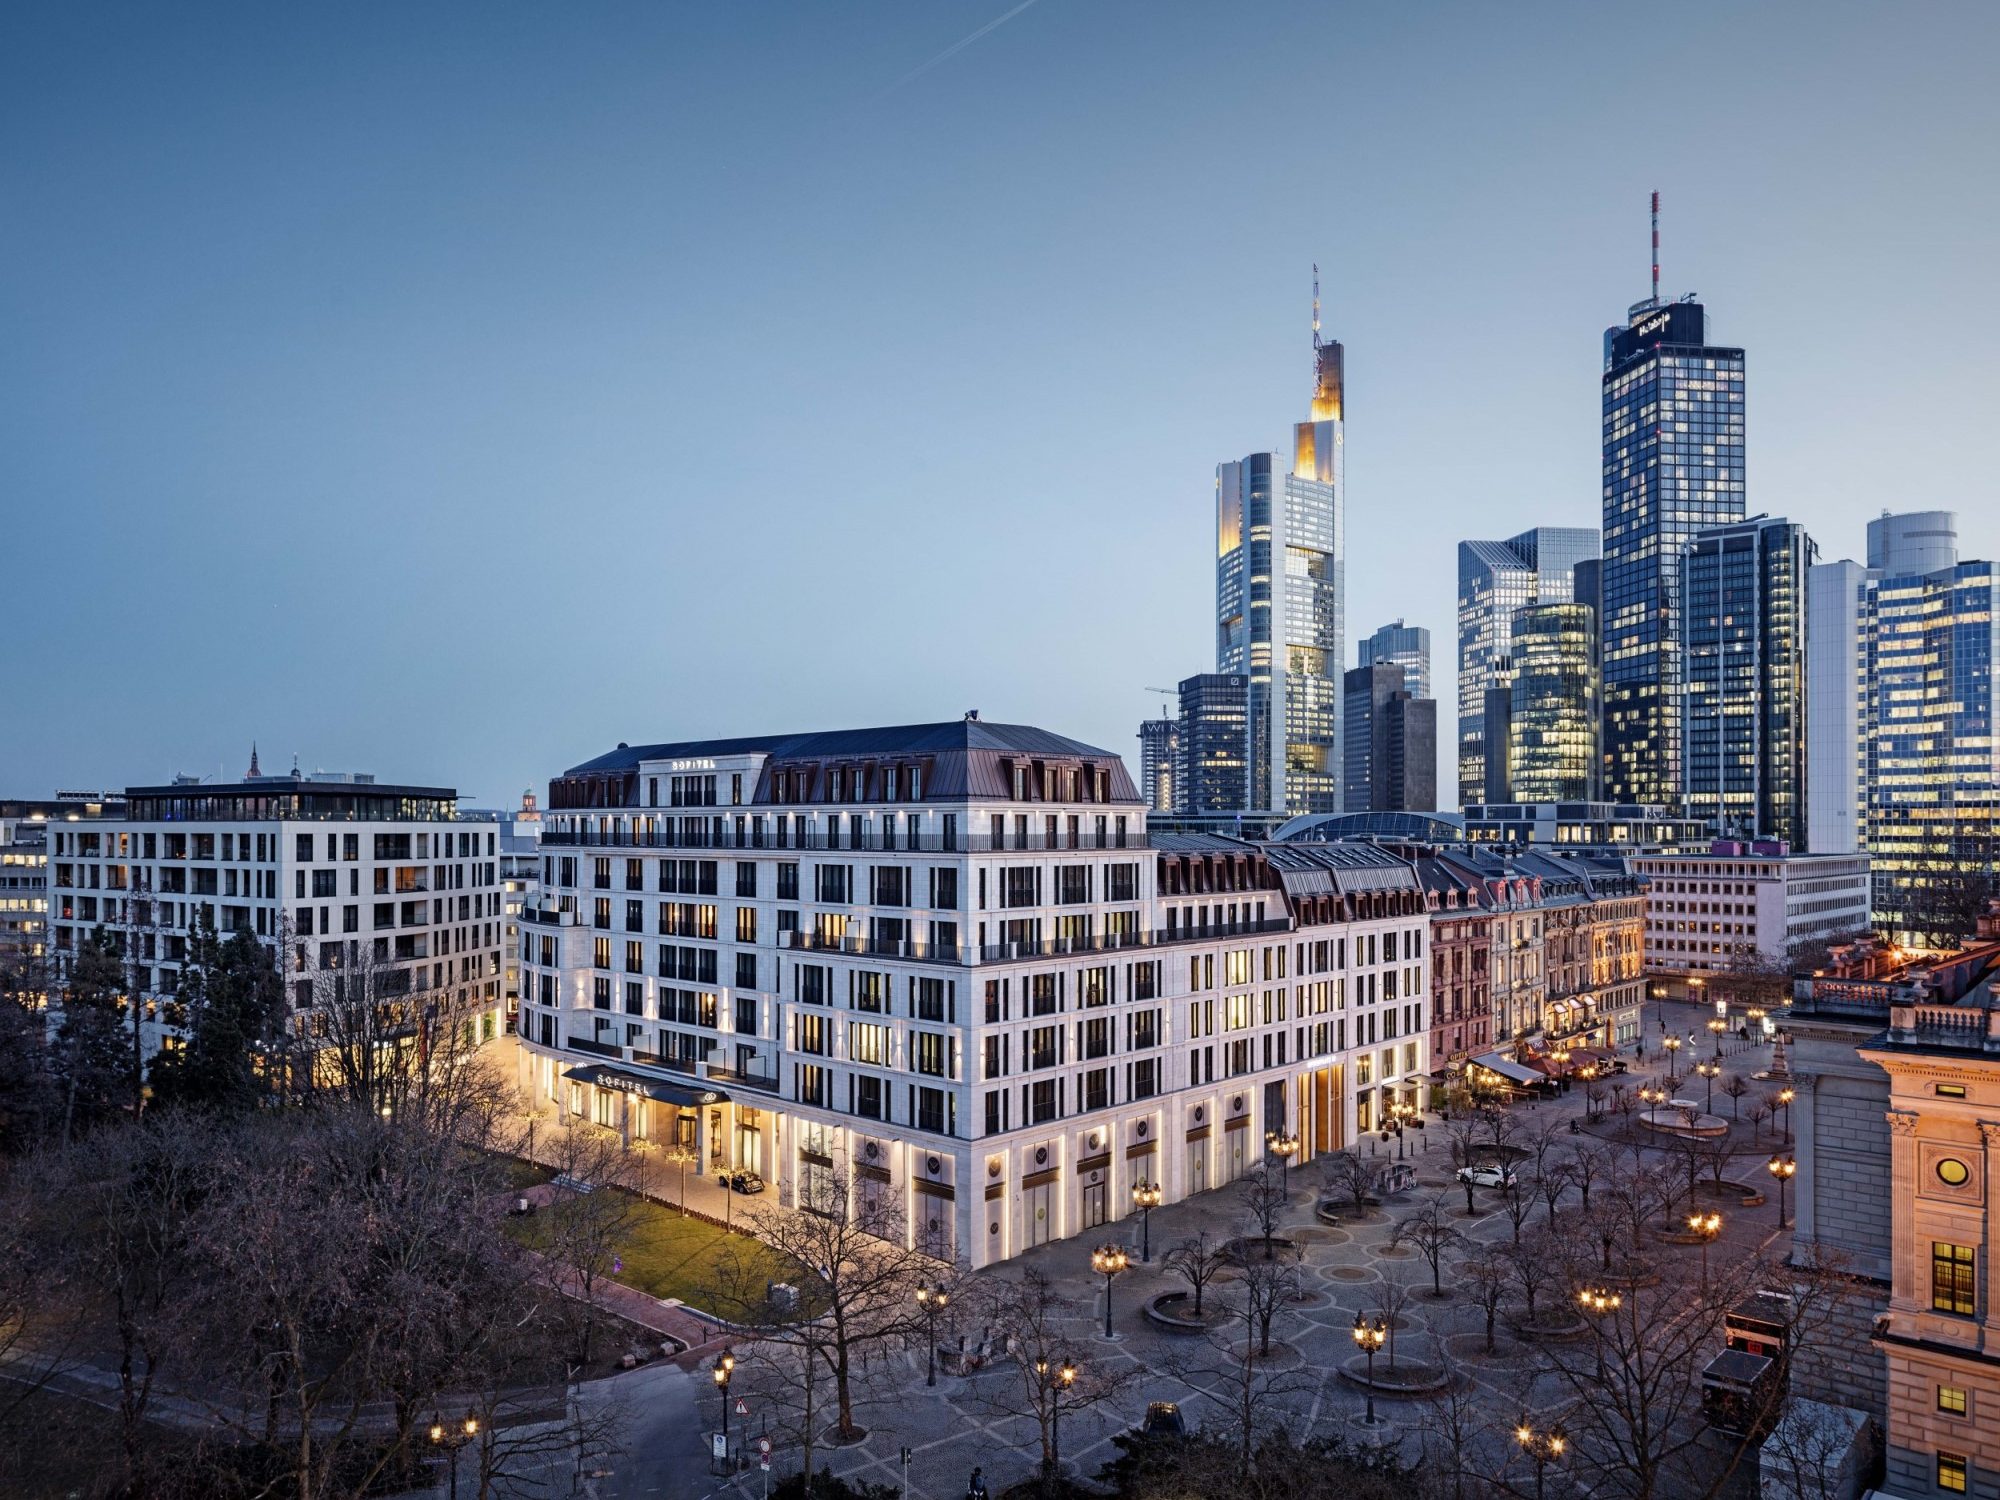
[
  {"x": 1164, "y": 1419},
  {"x": 1487, "y": 1176},
  {"x": 744, "y": 1182}
]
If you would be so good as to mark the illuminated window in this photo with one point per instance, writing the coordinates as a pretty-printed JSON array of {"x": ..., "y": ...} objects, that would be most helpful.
[
  {"x": 1952, "y": 1278},
  {"x": 1953, "y": 1173},
  {"x": 1951, "y": 1470},
  {"x": 1951, "y": 1400}
]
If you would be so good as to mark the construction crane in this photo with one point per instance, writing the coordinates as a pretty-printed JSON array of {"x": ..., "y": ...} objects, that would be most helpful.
[{"x": 1172, "y": 693}]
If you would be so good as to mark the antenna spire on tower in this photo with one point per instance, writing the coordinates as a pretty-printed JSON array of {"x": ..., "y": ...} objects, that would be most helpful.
[
  {"x": 1656, "y": 247},
  {"x": 1315, "y": 313}
]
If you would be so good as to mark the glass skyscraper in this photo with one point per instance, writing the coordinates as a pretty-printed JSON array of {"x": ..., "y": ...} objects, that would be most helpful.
[
  {"x": 1495, "y": 579},
  {"x": 1673, "y": 466},
  {"x": 1212, "y": 744},
  {"x": 1544, "y": 747},
  {"x": 1405, "y": 646},
  {"x": 1743, "y": 694},
  {"x": 1931, "y": 758},
  {"x": 1281, "y": 594}
]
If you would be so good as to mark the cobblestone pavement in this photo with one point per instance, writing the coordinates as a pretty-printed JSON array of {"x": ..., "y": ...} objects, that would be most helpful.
[{"x": 979, "y": 1420}]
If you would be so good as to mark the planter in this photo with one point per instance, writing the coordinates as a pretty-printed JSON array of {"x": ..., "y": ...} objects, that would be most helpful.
[
  {"x": 1256, "y": 1247},
  {"x": 1550, "y": 1331},
  {"x": 1739, "y": 1193},
  {"x": 1408, "y": 1378},
  {"x": 1174, "y": 1311}
]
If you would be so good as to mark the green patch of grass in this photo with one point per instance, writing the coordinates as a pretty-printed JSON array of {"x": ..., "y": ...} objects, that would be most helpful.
[
  {"x": 666, "y": 1255},
  {"x": 524, "y": 1174}
]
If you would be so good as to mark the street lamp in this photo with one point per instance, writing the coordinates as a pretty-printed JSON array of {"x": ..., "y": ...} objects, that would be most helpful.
[
  {"x": 1596, "y": 1301},
  {"x": 1709, "y": 1071},
  {"x": 1543, "y": 1448},
  {"x": 725, "y": 1366},
  {"x": 1370, "y": 1334},
  {"x": 1784, "y": 1168},
  {"x": 932, "y": 1300},
  {"x": 1284, "y": 1146},
  {"x": 1108, "y": 1261},
  {"x": 1057, "y": 1379},
  {"x": 1708, "y": 1226},
  {"x": 1146, "y": 1197},
  {"x": 1785, "y": 1097},
  {"x": 451, "y": 1439},
  {"x": 1716, "y": 1027},
  {"x": 1673, "y": 1046}
]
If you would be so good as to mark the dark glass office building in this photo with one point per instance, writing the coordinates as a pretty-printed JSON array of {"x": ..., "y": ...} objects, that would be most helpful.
[
  {"x": 1214, "y": 743},
  {"x": 1743, "y": 705},
  {"x": 1673, "y": 466}
]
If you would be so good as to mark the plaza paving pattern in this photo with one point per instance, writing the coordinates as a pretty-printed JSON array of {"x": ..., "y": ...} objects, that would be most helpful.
[{"x": 981, "y": 1420}]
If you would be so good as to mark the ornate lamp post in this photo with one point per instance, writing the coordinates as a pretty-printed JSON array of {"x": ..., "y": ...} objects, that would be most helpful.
[
  {"x": 1710, "y": 1071},
  {"x": 1542, "y": 1448},
  {"x": 1784, "y": 1168},
  {"x": 1284, "y": 1146},
  {"x": 1716, "y": 1027},
  {"x": 1673, "y": 1046},
  {"x": 1058, "y": 1379},
  {"x": 725, "y": 1366},
  {"x": 1708, "y": 1226},
  {"x": 1108, "y": 1261},
  {"x": 1785, "y": 1097},
  {"x": 1146, "y": 1197},
  {"x": 1371, "y": 1334},
  {"x": 451, "y": 1439},
  {"x": 932, "y": 1300},
  {"x": 1596, "y": 1301}
]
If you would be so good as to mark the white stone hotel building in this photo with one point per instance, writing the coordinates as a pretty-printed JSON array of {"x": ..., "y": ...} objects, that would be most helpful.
[{"x": 949, "y": 965}]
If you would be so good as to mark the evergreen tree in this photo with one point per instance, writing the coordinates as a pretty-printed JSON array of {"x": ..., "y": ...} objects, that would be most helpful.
[
  {"x": 90, "y": 1049},
  {"x": 231, "y": 1004}
]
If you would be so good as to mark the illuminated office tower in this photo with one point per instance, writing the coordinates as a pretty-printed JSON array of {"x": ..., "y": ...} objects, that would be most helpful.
[
  {"x": 1673, "y": 466},
  {"x": 1212, "y": 768},
  {"x": 1159, "y": 754},
  {"x": 1931, "y": 760},
  {"x": 1839, "y": 623},
  {"x": 1743, "y": 663},
  {"x": 1541, "y": 716},
  {"x": 1400, "y": 645},
  {"x": 1494, "y": 580},
  {"x": 1281, "y": 599}
]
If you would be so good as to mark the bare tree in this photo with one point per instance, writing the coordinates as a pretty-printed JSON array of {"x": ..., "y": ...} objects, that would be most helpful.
[
  {"x": 1052, "y": 1378},
  {"x": 589, "y": 1222},
  {"x": 1351, "y": 1177},
  {"x": 1518, "y": 1204},
  {"x": 1267, "y": 1285},
  {"x": 1467, "y": 1152},
  {"x": 857, "y": 1290},
  {"x": 1430, "y": 1233},
  {"x": 1453, "y": 1427},
  {"x": 1389, "y": 1300},
  {"x": 1595, "y": 1092},
  {"x": 1265, "y": 1198},
  {"x": 1535, "y": 1267},
  {"x": 1759, "y": 1112},
  {"x": 1586, "y": 1165},
  {"x": 1735, "y": 1086},
  {"x": 1196, "y": 1261},
  {"x": 1488, "y": 1274}
]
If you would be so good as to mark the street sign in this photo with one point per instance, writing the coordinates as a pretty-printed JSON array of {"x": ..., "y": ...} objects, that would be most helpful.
[
  {"x": 718, "y": 1445},
  {"x": 764, "y": 1463},
  {"x": 764, "y": 1446},
  {"x": 742, "y": 1407}
]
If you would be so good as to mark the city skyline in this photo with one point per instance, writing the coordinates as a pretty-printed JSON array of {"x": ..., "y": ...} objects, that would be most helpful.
[{"x": 252, "y": 354}]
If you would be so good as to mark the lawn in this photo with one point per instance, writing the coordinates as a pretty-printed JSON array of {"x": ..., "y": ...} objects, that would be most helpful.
[{"x": 666, "y": 1255}]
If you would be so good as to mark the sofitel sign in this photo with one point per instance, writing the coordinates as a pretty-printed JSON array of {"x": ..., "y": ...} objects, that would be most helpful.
[{"x": 690, "y": 765}]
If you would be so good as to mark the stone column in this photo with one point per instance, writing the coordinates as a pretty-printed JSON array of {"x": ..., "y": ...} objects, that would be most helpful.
[
  {"x": 1903, "y": 1281},
  {"x": 1989, "y": 1333},
  {"x": 1805, "y": 1190}
]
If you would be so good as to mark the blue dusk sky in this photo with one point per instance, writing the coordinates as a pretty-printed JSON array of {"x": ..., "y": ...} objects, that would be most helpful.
[{"x": 453, "y": 391}]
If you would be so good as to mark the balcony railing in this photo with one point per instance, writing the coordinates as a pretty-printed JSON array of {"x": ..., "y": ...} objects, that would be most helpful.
[
  {"x": 870, "y": 841},
  {"x": 595, "y": 1049},
  {"x": 918, "y": 951},
  {"x": 764, "y": 1082}
]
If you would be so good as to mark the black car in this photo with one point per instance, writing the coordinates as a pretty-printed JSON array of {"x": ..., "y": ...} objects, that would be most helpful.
[{"x": 744, "y": 1182}]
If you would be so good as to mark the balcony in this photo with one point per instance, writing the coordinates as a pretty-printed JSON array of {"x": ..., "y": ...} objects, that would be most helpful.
[
  {"x": 732, "y": 1077},
  {"x": 871, "y": 841},
  {"x": 594, "y": 1049}
]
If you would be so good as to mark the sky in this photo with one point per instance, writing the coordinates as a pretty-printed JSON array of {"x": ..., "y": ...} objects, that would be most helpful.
[{"x": 455, "y": 391}]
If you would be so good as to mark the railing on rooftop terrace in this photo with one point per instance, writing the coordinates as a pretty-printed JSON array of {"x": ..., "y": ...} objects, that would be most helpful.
[{"x": 720, "y": 834}]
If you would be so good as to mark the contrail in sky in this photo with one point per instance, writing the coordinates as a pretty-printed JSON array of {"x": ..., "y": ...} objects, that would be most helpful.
[{"x": 955, "y": 48}]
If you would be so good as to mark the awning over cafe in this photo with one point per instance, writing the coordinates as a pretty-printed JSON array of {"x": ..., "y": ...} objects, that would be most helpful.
[
  {"x": 1507, "y": 1068},
  {"x": 665, "y": 1090}
]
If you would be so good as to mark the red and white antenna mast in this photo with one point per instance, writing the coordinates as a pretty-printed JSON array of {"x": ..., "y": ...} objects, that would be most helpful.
[
  {"x": 1656, "y": 248},
  {"x": 1315, "y": 314}
]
